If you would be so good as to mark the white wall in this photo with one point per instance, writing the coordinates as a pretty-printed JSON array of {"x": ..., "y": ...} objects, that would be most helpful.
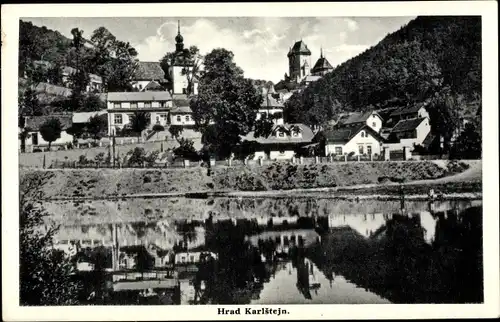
[
  {"x": 181, "y": 81},
  {"x": 283, "y": 155},
  {"x": 422, "y": 131},
  {"x": 183, "y": 120},
  {"x": 64, "y": 139},
  {"x": 140, "y": 84},
  {"x": 375, "y": 122},
  {"x": 354, "y": 143}
]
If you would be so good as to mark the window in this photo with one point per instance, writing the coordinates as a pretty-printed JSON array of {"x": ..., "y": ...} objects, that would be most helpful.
[
  {"x": 179, "y": 118},
  {"x": 140, "y": 86},
  {"x": 295, "y": 134},
  {"x": 374, "y": 124},
  {"x": 184, "y": 91},
  {"x": 282, "y": 151},
  {"x": 35, "y": 138},
  {"x": 338, "y": 150},
  {"x": 187, "y": 118},
  {"x": 361, "y": 149},
  {"x": 133, "y": 105},
  {"x": 369, "y": 150},
  {"x": 157, "y": 119},
  {"x": 362, "y": 134},
  {"x": 117, "y": 105},
  {"x": 118, "y": 119},
  {"x": 147, "y": 104},
  {"x": 163, "y": 115},
  {"x": 281, "y": 134},
  {"x": 191, "y": 258}
]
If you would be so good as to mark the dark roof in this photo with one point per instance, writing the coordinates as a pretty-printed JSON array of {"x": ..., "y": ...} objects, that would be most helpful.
[
  {"x": 35, "y": 122},
  {"x": 407, "y": 125},
  {"x": 355, "y": 117},
  {"x": 138, "y": 96},
  {"x": 307, "y": 135},
  {"x": 344, "y": 135},
  {"x": 153, "y": 85},
  {"x": 299, "y": 48},
  {"x": 321, "y": 65},
  {"x": 408, "y": 109},
  {"x": 179, "y": 100},
  {"x": 149, "y": 70},
  {"x": 284, "y": 84},
  {"x": 428, "y": 140},
  {"x": 385, "y": 113}
]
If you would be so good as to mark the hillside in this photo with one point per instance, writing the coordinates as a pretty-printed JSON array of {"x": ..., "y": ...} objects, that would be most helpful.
[{"x": 430, "y": 58}]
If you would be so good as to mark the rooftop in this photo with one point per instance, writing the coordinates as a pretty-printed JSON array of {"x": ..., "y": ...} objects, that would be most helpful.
[
  {"x": 269, "y": 101},
  {"x": 344, "y": 135},
  {"x": 408, "y": 109},
  {"x": 307, "y": 135},
  {"x": 138, "y": 96},
  {"x": 83, "y": 117},
  {"x": 407, "y": 125},
  {"x": 35, "y": 122},
  {"x": 149, "y": 70},
  {"x": 299, "y": 48},
  {"x": 321, "y": 65},
  {"x": 355, "y": 117}
]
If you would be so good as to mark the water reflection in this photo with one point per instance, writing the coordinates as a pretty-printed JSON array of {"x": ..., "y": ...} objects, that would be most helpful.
[{"x": 289, "y": 254}]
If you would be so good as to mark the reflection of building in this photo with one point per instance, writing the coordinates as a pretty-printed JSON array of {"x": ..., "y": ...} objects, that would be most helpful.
[
  {"x": 283, "y": 240},
  {"x": 365, "y": 225}
]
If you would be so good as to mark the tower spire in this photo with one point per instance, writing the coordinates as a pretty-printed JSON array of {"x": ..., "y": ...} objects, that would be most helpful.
[
  {"x": 178, "y": 27},
  {"x": 179, "y": 46},
  {"x": 321, "y": 52}
]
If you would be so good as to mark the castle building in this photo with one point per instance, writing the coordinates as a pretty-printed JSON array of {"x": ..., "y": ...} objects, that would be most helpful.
[
  {"x": 322, "y": 66},
  {"x": 299, "y": 61}
]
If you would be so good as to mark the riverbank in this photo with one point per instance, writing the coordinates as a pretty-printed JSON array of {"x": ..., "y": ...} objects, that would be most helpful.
[{"x": 370, "y": 179}]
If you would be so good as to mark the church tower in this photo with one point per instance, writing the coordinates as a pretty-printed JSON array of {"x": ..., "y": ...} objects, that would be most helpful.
[
  {"x": 299, "y": 60},
  {"x": 181, "y": 64}
]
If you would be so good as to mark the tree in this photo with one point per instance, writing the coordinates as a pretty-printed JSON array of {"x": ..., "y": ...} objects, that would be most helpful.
[
  {"x": 189, "y": 59},
  {"x": 186, "y": 150},
  {"x": 29, "y": 104},
  {"x": 45, "y": 274},
  {"x": 175, "y": 131},
  {"x": 114, "y": 60},
  {"x": 158, "y": 128},
  {"x": 139, "y": 122},
  {"x": 96, "y": 126},
  {"x": 227, "y": 103},
  {"x": 51, "y": 130},
  {"x": 468, "y": 144}
]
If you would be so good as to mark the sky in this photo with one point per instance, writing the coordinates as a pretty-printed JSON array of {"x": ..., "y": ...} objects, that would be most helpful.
[{"x": 259, "y": 44}]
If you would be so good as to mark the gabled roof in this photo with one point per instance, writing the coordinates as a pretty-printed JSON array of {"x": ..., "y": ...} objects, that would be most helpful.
[
  {"x": 385, "y": 113},
  {"x": 35, "y": 122},
  {"x": 149, "y": 70},
  {"x": 407, "y": 125},
  {"x": 299, "y": 48},
  {"x": 179, "y": 100},
  {"x": 307, "y": 135},
  {"x": 152, "y": 85},
  {"x": 321, "y": 65},
  {"x": 182, "y": 109},
  {"x": 138, "y": 96},
  {"x": 408, "y": 109},
  {"x": 344, "y": 135},
  {"x": 355, "y": 117},
  {"x": 83, "y": 117},
  {"x": 311, "y": 78}
]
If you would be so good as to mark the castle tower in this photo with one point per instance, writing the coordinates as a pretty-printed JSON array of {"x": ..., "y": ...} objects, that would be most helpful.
[
  {"x": 299, "y": 57},
  {"x": 322, "y": 66},
  {"x": 179, "y": 45}
]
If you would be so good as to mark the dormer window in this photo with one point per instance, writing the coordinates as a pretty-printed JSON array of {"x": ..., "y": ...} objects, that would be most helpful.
[{"x": 281, "y": 134}]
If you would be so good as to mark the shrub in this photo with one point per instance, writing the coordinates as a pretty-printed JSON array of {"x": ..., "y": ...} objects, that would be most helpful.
[
  {"x": 158, "y": 128},
  {"x": 99, "y": 158},
  {"x": 137, "y": 156},
  {"x": 82, "y": 159},
  {"x": 186, "y": 150}
]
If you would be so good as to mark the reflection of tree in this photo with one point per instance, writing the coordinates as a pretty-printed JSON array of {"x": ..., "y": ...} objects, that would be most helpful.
[
  {"x": 239, "y": 269},
  {"x": 397, "y": 264}
]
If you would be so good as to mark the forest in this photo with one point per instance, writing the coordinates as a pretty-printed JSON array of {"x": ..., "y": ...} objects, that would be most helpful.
[{"x": 435, "y": 60}]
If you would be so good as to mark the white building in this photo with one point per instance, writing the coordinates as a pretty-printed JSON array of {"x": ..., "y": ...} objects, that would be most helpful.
[
  {"x": 359, "y": 140},
  {"x": 35, "y": 140},
  {"x": 408, "y": 133},
  {"x": 355, "y": 119},
  {"x": 95, "y": 81},
  {"x": 121, "y": 107},
  {"x": 148, "y": 76},
  {"x": 282, "y": 143}
]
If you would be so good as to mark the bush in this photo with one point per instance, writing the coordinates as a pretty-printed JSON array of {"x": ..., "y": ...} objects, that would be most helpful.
[
  {"x": 82, "y": 159},
  {"x": 186, "y": 150},
  {"x": 158, "y": 128},
  {"x": 137, "y": 156}
]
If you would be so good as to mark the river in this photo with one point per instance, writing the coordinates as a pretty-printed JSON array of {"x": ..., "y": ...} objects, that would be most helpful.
[{"x": 272, "y": 251}]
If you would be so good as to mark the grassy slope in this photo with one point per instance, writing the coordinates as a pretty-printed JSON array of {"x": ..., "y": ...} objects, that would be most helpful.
[{"x": 116, "y": 183}]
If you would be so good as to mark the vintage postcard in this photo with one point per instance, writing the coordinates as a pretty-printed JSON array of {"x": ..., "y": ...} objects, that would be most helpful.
[{"x": 252, "y": 161}]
